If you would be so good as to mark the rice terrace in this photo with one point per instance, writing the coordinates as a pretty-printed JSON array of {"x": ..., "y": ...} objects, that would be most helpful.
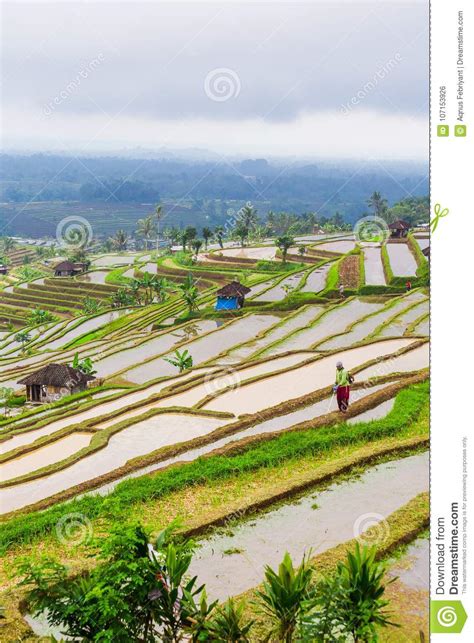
[{"x": 185, "y": 391}]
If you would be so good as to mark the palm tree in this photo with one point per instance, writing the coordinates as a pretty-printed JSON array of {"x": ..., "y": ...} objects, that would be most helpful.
[
  {"x": 8, "y": 244},
  {"x": 39, "y": 316},
  {"x": 196, "y": 246},
  {"x": 191, "y": 233},
  {"x": 159, "y": 215},
  {"x": 122, "y": 297},
  {"x": 146, "y": 229},
  {"x": 91, "y": 306},
  {"x": 219, "y": 235},
  {"x": 23, "y": 337},
  {"x": 241, "y": 231},
  {"x": 161, "y": 287},
  {"x": 285, "y": 596},
  {"x": 378, "y": 203},
  {"x": 172, "y": 235},
  {"x": 85, "y": 366},
  {"x": 284, "y": 243},
  {"x": 248, "y": 216},
  {"x": 189, "y": 293},
  {"x": 147, "y": 284},
  {"x": 207, "y": 234},
  {"x": 182, "y": 361},
  {"x": 120, "y": 240}
]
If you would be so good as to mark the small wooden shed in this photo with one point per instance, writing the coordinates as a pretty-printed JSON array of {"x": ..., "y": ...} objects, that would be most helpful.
[
  {"x": 54, "y": 381},
  {"x": 68, "y": 269},
  {"x": 231, "y": 296},
  {"x": 426, "y": 252},
  {"x": 3, "y": 269},
  {"x": 399, "y": 229}
]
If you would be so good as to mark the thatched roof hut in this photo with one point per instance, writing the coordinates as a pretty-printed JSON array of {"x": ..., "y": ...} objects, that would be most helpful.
[
  {"x": 231, "y": 296},
  {"x": 54, "y": 381},
  {"x": 399, "y": 228},
  {"x": 68, "y": 269}
]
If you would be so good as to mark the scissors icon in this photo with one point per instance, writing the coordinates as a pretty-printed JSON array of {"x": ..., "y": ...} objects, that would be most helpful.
[{"x": 439, "y": 214}]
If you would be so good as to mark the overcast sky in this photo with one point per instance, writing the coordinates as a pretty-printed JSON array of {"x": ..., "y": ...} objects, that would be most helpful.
[{"x": 335, "y": 79}]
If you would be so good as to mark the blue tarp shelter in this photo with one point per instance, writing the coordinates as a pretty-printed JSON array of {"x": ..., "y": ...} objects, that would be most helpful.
[
  {"x": 231, "y": 296},
  {"x": 227, "y": 303}
]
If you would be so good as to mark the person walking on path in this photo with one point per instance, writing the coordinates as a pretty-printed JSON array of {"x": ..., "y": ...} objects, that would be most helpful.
[{"x": 342, "y": 387}]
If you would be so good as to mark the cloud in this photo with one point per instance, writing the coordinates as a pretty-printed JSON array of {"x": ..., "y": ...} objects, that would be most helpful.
[{"x": 290, "y": 61}]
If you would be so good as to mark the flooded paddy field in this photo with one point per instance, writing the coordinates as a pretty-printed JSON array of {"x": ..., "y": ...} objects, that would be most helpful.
[
  {"x": 365, "y": 327},
  {"x": 423, "y": 328},
  {"x": 280, "y": 290},
  {"x": 316, "y": 280},
  {"x": 216, "y": 381},
  {"x": 206, "y": 348},
  {"x": 114, "y": 260},
  {"x": 413, "y": 360},
  {"x": 336, "y": 320},
  {"x": 94, "y": 277},
  {"x": 423, "y": 242},
  {"x": 95, "y": 411},
  {"x": 303, "y": 317},
  {"x": 274, "y": 425},
  {"x": 340, "y": 245},
  {"x": 262, "y": 253},
  {"x": 139, "y": 439},
  {"x": 88, "y": 326},
  {"x": 402, "y": 261},
  {"x": 399, "y": 326},
  {"x": 269, "y": 392},
  {"x": 161, "y": 344},
  {"x": 231, "y": 562},
  {"x": 409, "y": 591},
  {"x": 44, "y": 456},
  {"x": 374, "y": 273}
]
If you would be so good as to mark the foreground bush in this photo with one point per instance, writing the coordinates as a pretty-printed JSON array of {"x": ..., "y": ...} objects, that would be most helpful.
[{"x": 142, "y": 593}]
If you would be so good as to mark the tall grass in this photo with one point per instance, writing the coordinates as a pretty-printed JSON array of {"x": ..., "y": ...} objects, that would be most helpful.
[{"x": 408, "y": 405}]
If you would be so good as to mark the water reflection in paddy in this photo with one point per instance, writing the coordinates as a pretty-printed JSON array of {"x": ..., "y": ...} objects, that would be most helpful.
[
  {"x": 413, "y": 360},
  {"x": 316, "y": 280},
  {"x": 139, "y": 439},
  {"x": 367, "y": 326},
  {"x": 303, "y": 317},
  {"x": 205, "y": 348},
  {"x": 256, "y": 396},
  {"x": 44, "y": 455},
  {"x": 310, "y": 524},
  {"x": 335, "y": 321},
  {"x": 275, "y": 424},
  {"x": 373, "y": 266},
  {"x": 402, "y": 261}
]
